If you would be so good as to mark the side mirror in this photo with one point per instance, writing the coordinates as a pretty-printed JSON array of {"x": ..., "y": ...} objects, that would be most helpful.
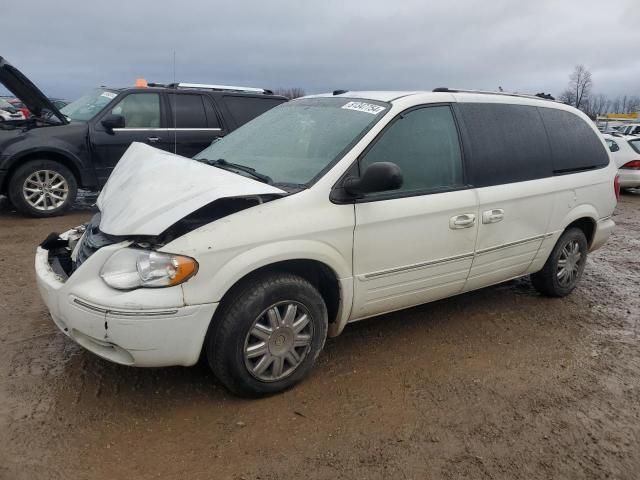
[
  {"x": 378, "y": 177},
  {"x": 113, "y": 121}
]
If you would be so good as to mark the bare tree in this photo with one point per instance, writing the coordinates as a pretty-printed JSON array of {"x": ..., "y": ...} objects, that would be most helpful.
[
  {"x": 579, "y": 87},
  {"x": 290, "y": 93}
]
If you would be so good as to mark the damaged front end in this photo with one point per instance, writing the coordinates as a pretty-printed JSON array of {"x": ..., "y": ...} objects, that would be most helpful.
[
  {"x": 153, "y": 197},
  {"x": 68, "y": 251}
]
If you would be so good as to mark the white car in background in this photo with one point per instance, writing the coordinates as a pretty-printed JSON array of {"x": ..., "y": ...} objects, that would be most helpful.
[
  {"x": 8, "y": 112},
  {"x": 625, "y": 151},
  {"x": 630, "y": 129}
]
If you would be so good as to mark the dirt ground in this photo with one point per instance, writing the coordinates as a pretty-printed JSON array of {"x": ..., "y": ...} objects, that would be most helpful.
[{"x": 499, "y": 383}]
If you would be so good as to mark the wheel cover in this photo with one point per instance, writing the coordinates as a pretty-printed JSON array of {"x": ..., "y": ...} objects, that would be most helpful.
[
  {"x": 278, "y": 341},
  {"x": 45, "y": 190},
  {"x": 569, "y": 263}
]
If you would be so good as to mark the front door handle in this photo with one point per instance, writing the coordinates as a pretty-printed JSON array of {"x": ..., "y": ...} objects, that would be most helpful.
[
  {"x": 153, "y": 139},
  {"x": 493, "y": 216},
  {"x": 465, "y": 220}
]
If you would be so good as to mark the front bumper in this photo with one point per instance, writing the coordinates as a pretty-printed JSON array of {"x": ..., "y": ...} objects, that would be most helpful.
[
  {"x": 629, "y": 178},
  {"x": 144, "y": 327}
]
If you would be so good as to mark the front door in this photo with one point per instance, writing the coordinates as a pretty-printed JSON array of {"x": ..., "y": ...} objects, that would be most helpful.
[
  {"x": 143, "y": 119},
  {"x": 415, "y": 244}
]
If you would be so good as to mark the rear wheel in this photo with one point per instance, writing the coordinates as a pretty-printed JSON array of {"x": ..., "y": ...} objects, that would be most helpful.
[
  {"x": 563, "y": 269},
  {"x": 42, "y": 188},
  {"x": 267, "y": 335}
]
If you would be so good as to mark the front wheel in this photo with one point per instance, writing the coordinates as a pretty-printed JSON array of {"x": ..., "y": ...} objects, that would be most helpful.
[
  {"x": 563, "y": 269},
  {"x": 267, "y": 335},
  {"x": 42, "y": 188}
]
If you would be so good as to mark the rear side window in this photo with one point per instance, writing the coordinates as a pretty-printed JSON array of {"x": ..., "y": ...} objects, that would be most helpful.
[
  {"x": 245, "y": 108},
  {"x": 613, "y": 146},
  {"x": 506, "y": 143},
  {"x": 424, "y": 144},
  {"x": 574, "y": 145},
  {"x": 187, "y": 111},
  {"x": 635, "y": 144}
]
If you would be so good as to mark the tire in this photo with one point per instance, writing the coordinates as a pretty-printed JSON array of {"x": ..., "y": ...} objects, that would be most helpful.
[
  {"x": 46, "y": 175},
  {"x": 571, "y": 247},
  {"x": 249, "y": 309}
]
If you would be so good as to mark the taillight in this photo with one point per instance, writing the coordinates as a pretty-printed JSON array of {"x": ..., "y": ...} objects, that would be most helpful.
[
  {"x": 616, "y": 187},
  {"x": 633, "y": 165}
]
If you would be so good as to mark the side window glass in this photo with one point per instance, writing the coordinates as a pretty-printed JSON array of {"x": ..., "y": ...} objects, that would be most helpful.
[
  {"x": 187, "y": 111},
  {"x": 140, "y": 110},
  {"x": 424, "y": 144},
  {"x": 246, "y": 108},
  {"x": 613, "y": 146}
]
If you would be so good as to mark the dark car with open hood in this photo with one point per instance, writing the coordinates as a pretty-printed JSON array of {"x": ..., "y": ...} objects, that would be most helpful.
[{"x": 47, "y": 157}]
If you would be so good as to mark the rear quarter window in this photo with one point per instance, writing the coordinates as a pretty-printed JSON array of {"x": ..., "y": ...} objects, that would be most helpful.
[
  {"x": 504, "y": 143},
  {"x": 575, "y": 146},
  {"x": 246, "y": 108},
  {"x": 635, "y": 144}
]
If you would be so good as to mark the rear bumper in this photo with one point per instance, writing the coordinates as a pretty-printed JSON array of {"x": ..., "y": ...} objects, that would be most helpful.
[
  {"x": 629, "y": 178},
  {"x": 119, "y": 329},
  {"x": 604, "y": 227}
]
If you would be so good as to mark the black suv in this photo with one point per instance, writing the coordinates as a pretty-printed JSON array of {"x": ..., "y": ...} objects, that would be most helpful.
[{"x": 45, "y": 159}]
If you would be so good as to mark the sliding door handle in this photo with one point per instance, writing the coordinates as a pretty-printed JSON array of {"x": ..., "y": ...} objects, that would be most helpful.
[{"x": 493, "y": 216}]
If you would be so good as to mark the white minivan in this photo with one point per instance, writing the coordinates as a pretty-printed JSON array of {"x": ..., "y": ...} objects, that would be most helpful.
[{"x": 323, "y": 211}]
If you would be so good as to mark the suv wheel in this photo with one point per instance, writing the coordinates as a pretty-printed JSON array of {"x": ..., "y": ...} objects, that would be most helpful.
[
  {"x": 563, "y": 269},
  {"x": 42, "y": 188},
  {"x": 268, "y": 334}
]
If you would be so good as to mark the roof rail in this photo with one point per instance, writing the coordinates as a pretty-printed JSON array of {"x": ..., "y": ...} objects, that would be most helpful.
[
  {"x": 229, "y": 88},
  {"x": 488, "y": 92}
]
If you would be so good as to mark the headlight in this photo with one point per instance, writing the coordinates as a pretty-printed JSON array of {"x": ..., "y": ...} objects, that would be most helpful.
[{"x": 133, "y": 268}]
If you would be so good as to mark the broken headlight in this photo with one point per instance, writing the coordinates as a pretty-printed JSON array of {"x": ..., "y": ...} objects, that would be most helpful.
[{"x": 131, "y": 268}]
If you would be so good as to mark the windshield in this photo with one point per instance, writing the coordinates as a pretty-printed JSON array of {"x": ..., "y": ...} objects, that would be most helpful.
[
  {"x": 296, "y": 141},
  {"x": 87, "y": 106}
]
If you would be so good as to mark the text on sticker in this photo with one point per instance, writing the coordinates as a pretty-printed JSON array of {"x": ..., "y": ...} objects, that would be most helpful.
[
  {"x": 364, "y": 107},
  {"x": 109, "y": 95}
]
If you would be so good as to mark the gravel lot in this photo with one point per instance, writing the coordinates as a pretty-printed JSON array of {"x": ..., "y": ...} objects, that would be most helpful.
[{"x": 499, "y": 383}]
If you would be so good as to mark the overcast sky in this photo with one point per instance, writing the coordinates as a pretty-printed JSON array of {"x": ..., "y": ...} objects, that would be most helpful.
[{"x": 69, "y": 46}]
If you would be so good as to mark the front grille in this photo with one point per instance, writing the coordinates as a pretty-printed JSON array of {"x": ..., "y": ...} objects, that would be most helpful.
[{"x": 92, "y": 240}]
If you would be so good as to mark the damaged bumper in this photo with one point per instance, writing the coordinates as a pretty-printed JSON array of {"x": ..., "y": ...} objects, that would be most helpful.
[{"x": 144, "y": 327}]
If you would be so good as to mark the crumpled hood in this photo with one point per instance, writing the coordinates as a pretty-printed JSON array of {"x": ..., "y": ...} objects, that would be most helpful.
[{"x": 150, "y": 190}]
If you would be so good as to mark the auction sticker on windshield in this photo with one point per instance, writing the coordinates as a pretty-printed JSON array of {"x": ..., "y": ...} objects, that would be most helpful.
[
  {"x": 110, "y": 95},
  {"x": 364, "y": 107}
]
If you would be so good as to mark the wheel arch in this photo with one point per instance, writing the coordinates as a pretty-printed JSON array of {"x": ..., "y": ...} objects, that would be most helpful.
[
  {"x": 319, "y": 274},
  {"x": 585, "y": 217},
  {"x": 64, "y": 158}
]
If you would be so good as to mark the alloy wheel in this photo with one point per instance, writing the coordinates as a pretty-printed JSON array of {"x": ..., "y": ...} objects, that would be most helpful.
[
  {"x": 45, "y": 190},
  {"x": 278, "y": 341},
  {"x": 569, "y": 263}
]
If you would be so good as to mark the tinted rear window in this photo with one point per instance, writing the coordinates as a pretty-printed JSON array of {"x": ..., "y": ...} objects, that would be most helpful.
[
  {"x": 187, "y": 111},
  {"x": 574, "y": 144},
  {"x": 244, "y": 108},
  {"x": 505, "y": 143}
]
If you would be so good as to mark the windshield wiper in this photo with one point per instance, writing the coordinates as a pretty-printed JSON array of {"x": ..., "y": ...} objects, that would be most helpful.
[{"x": 222, "y": 163}]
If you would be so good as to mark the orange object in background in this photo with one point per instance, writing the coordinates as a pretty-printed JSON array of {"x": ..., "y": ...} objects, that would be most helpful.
[{"x": 141, "y": 83}]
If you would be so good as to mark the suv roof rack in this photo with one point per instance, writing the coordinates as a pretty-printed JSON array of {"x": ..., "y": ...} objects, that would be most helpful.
[
  {"x": 229, "y": 88},
  {"x": 488, "y": 92}
]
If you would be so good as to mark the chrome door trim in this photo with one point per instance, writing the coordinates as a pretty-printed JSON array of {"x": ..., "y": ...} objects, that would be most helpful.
[
  {"x": 167, "y": 129},
  {"x": 511, "y": 244},
  {"x": 416, "y": 266}
]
